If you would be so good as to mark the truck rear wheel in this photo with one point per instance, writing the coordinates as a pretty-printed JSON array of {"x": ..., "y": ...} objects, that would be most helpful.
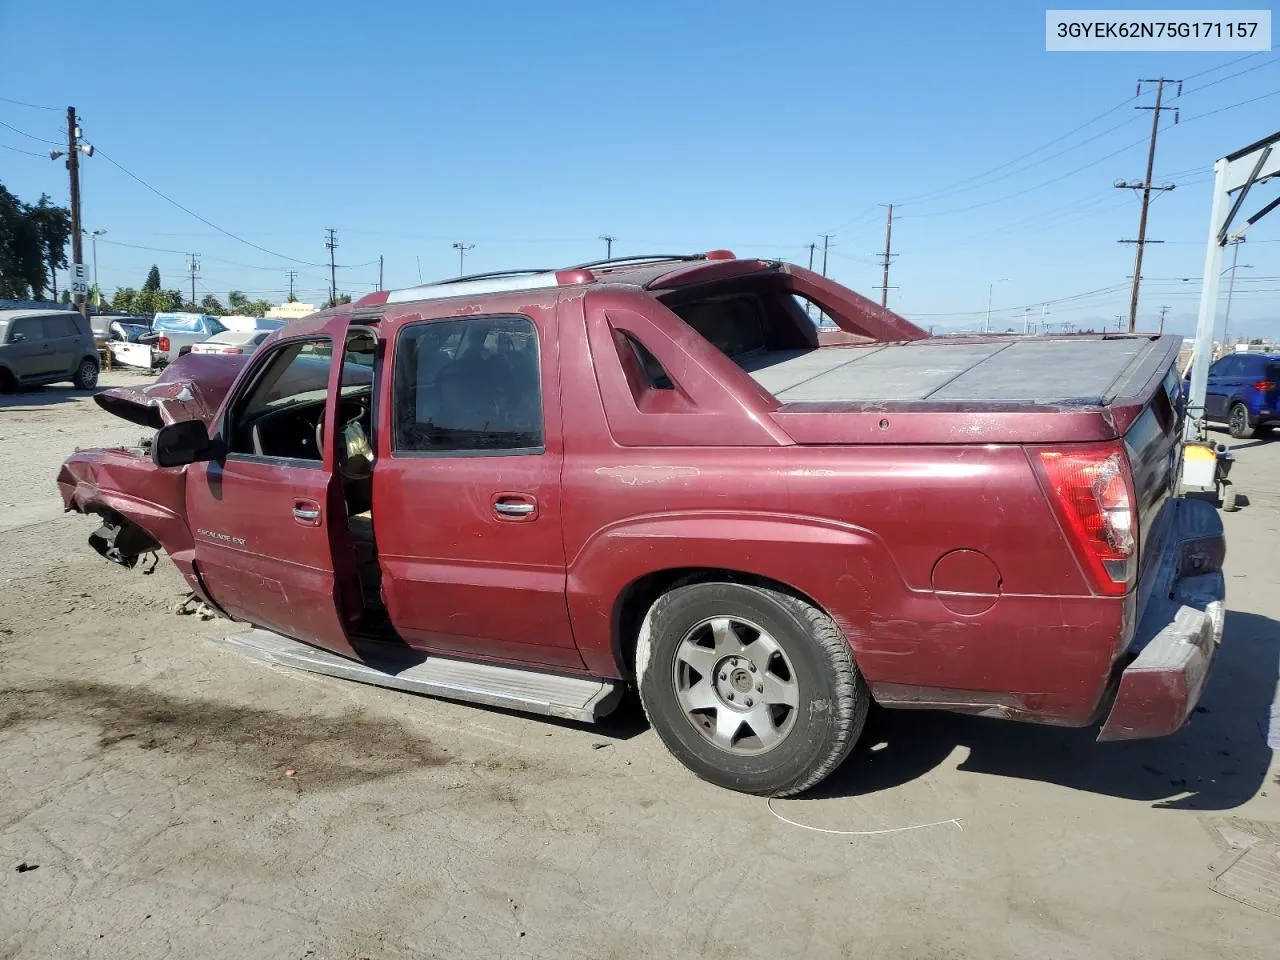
[{"x": 750, "y": 688}]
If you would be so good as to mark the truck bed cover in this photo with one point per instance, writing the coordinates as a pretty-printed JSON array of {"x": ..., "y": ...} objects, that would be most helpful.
[{"x": 1067, "y": 370}]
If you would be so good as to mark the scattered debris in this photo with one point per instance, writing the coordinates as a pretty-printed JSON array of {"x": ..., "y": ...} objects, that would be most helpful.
[
  {"x": 25, "y": 867},
  {"x": 864, "y": 833},
  {"x": 291, "y": 773},
  {"x": 599, "y": 745},
  {"x": 193, "y": 605}
]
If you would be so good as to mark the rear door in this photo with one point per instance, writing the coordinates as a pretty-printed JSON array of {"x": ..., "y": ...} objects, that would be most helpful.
[
  {"x": 64, "y": 341},
  {"x": 466, "y": 491},
  {"x": 269, "y": 519}
]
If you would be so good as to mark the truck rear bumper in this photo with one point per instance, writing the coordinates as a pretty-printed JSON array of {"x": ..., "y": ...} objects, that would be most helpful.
[{"x": 1179, "y": 630}]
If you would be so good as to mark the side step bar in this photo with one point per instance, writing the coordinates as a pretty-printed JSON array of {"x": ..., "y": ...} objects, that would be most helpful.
[{"x": 513, "y": 688}]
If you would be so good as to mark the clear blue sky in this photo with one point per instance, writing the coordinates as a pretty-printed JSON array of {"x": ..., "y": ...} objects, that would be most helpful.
[{"x": 530, "y": 129}]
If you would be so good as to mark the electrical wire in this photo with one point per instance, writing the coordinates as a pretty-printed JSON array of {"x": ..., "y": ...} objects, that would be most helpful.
[
  {"x": 25, "y": 134},
  {"x": 23, "y": 103},
  {"x": 1223, "y": 66},
  {"x": 945, "y": 191},
  {"x": 208, "y": 223},
  {"x": 29, "y": 153},
  {"x": 1030, "y": 189},
  {"x": 1230, "y": 106},
  {"x": 1241, "y": 73}
]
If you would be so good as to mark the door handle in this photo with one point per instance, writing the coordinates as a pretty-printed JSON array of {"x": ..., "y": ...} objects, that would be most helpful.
[
  {"x": 515, "y": 506},
  {"x": 514, "y": 509},
  {"x": 307, "y": 512}
]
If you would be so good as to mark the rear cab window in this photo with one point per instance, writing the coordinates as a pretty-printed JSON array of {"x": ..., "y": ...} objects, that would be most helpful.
[{"x": 468, "y": 386}]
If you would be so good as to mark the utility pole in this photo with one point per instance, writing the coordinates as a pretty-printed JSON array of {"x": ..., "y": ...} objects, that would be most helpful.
[
  {"x": 826, "y": 241},
  {"x": 1026, "y": 320},
  {"x": 608, "y": 245},
  {"x": 1044, "y": 318},
  {"x": 462, "y": 249},
  {"x": 1146, "y": 189},
  {"x": 293, "y": 275},
  {"x": 379, "y": 271},
  {"x": 73, "y": 166},
  {"x": 193, "y": 267},
  {"x": 93, "y": 238},
  {"x": 888, "y": 256},
  {"x": 1231, "y": 286},
  {"x": 991, "y": 289},
  {"x": 1163, "y": 311},
  {"x": 332, "y": 244}
]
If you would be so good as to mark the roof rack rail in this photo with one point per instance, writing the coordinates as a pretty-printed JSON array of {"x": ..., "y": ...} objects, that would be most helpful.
[
  {"x": 485, "y": 276},
  {"x": 640, "y": 258}
]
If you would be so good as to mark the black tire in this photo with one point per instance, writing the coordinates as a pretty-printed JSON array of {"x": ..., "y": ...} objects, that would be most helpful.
[
  {"x": 1239, "y": 424},
  {"x": 832, "y": 698},
  {"x": 86, "y": 377},
  {"x": 8, "y": 382}
]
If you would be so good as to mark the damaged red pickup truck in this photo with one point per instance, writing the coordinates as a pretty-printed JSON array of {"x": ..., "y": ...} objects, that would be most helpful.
[{"x": 532, "y": 489}]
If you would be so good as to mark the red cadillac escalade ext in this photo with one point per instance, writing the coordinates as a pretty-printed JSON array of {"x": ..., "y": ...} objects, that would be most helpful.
[{"x": 533, "y": 489}]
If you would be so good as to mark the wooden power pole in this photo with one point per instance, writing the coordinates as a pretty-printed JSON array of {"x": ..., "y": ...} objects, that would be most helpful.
[
  {"x": 1146, "y": 188},
  {"x": 73, "y": 166},
  {"x": 888, "y": 257}
]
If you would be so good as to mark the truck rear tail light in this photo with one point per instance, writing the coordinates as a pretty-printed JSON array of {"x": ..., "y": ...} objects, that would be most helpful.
[
  {"x": 1265, "y": 386},
  {"x": 163, "y": 345},
  {"x": 1092, "y": 494}
]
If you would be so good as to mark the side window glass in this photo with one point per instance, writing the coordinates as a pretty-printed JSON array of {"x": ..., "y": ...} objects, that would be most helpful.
[
  {"x": 282, "y": 411},
  {"x": 468, "y": 385},
  {"x": 655, "y": 374},
  {"x": 27, "y": 329}
]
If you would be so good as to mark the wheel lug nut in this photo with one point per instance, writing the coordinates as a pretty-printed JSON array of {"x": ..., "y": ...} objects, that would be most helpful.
[
  {"x": 751, "y": 667},
  {"x": 724, "y": 676},
  {"x": 731, "y": 696},
  {"x": 759, "y": 688},
  {"x": 750, "y": 702}
]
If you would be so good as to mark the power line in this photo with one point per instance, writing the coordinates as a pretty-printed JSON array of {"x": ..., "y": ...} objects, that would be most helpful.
[
  {"x": 1223, "y": 66},
  {"x": 1030, "y": 189},
  {"x": 208, "y": 223},
  {"x": 34, "y": 106},
  {"x": 1214, "y": 83},
  {"x": 56, "y": 143},
  {"x": 29, "y": 153},
  {"x": 1231, "y": 106},
  {"x": 1030, "y": 153}
]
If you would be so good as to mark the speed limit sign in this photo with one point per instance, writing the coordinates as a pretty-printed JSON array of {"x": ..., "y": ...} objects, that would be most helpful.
[{"x": 79, "y": 280}]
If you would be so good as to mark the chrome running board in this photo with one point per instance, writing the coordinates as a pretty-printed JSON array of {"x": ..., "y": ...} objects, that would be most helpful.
[{"x": 512, "y": 688}]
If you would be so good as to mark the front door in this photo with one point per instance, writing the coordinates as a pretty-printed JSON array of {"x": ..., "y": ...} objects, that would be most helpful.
[
  {"x": 27, "y": 350},
  {"x": 466, "y": 491},
  {"x": 266, "y": 519}
]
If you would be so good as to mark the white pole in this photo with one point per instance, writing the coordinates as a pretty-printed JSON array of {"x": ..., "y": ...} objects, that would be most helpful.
[{"x": 1202, "y": 354}]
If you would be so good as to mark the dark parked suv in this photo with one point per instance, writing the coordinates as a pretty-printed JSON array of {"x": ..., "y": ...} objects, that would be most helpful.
[{"x": 46, "y": 346}]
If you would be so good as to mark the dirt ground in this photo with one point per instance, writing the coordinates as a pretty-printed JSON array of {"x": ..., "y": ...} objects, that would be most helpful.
[{"x": 143, "y": 785}]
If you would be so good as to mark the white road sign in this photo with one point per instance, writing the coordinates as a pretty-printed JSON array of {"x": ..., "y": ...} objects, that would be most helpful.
[{"x": 79, "y": 279}]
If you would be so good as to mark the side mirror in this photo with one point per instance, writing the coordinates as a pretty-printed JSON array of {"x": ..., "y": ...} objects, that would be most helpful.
[
  {"x": 186, "y": 441},
  {"x": 18, "y": 338}
]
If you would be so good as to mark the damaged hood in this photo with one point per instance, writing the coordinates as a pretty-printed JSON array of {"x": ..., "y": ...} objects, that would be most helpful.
[{"x": 191, "y": 388}]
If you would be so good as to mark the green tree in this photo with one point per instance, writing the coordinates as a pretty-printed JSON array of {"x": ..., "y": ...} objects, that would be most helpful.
[
  {"x": 153, "y": 279},
  {"x": 237, "y": 300},
  {"x": 124, "y": 300},
  {"x": 211, "y": 304},
  {"x": 66, "y": 296},
  {"x": 23, "y": 274},
  {"x": 54, "y": 226},
  {"x": 340, "y": 299},
  {"x": 172, "y": 299}
]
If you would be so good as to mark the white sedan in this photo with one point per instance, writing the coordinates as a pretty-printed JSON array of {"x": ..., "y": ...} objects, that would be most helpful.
[{"x": 243, "y": 342}]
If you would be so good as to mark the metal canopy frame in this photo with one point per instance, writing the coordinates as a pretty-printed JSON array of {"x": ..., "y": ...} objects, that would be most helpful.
[{"x": 1236, "y": 173}]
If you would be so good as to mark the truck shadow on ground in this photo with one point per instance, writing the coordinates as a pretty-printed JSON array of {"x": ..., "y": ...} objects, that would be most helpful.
[{"x": 1217, "y": 762}]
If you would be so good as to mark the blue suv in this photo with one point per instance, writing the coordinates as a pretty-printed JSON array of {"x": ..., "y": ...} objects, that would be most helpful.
[{"x": 1244, "y": 393}]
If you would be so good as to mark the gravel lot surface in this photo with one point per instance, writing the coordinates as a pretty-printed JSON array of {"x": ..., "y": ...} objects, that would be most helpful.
[{"x": 143, "y": 785}]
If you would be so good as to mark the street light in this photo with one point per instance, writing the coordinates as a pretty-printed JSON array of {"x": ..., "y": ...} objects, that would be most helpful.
[
  {"x": 1231, "y": 287},
  {"x": 990, "y": 292},
  {"x": 93, "y": 236}
]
